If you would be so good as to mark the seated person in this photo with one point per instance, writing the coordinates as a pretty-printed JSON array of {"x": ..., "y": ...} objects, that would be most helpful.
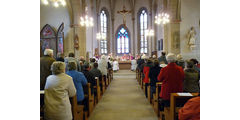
[
  {"x": 60, "y": 57},
  {"x": 180, "y": 62},
  {"x": 191, "y": 79},
  {"x": 89, "y": 76},
  {"x": 172, "y": 77},
  {"x": 97, "y": 73},
  {"x": 79, "y": 80},
  {"x": 59, "y": 87},
  {"x": 191, "y": 110},
  {"x": 153, "y": 73},
  {"x": 146, "y": 70}
]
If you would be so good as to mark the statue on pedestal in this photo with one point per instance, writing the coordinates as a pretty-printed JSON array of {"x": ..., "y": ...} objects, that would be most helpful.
[{"x": 192, "y": 38}]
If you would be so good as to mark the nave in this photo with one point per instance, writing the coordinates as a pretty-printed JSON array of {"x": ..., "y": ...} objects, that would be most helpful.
[{"x": 123, "y": 100}]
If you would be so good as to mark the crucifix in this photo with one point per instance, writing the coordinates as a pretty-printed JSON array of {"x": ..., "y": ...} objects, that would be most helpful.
[{"x": 124, "y": 12}]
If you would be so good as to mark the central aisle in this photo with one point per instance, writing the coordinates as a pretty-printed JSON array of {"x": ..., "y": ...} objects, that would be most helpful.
[{"x": 123, "y": 100}]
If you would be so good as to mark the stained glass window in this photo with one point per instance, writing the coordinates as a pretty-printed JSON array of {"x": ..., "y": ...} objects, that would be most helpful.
[
  {"x": 103, "y": 23},
  {"x": 143, "y": 28},
  {"x": 122, "y": 41}
]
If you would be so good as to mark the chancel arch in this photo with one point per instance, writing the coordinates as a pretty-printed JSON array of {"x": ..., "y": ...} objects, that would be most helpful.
[
  {"x": 123, "y": 40},
  {"x": 142, "y": 19}
]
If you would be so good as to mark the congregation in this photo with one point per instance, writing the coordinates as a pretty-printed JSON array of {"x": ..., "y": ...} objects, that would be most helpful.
[{"x": 63, "y": 78}]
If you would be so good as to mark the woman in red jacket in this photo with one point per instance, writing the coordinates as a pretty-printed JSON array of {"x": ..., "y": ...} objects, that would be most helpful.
[
  {"x": 172, "y": 77},
  {"x": 146, "y": 70}
]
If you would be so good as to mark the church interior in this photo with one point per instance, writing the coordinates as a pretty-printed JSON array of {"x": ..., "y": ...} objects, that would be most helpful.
[{"x": 140, "y": 59}]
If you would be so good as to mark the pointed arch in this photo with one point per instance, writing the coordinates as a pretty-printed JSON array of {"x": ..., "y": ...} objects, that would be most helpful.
[
  {"x": 48, "y": 39},
  {"x": 104, "y": 29},
  {"x": 123, "y": 40},
  {"x": 142, "y": 20}
]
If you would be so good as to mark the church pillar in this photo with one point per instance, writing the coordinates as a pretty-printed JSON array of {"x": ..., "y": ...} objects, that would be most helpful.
[
  {"x": 133, "y": 36},
  {"x": 113, "y": 38}
]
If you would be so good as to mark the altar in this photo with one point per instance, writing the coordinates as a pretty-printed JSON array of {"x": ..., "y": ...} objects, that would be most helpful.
[{"x": 124, "y": 65}]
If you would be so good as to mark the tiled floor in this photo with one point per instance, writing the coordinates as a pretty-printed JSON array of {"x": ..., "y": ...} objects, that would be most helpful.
[{"x": 123, "y": 100}]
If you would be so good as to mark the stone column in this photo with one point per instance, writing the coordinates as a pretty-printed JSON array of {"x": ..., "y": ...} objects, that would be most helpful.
[{"x": 133, "y": 37}]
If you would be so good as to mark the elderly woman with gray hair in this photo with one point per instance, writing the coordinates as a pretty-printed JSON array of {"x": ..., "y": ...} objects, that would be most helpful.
[
  {"x": 79, "y": 80},
  {"x": 59, "y": 87},
  {"x": 171, "y": 77}
]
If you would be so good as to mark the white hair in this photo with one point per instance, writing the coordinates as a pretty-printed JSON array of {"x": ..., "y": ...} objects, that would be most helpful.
[
  {"x": 154, "y": 56},
  {"x": 179, "y": 56},
  {"x": 171, "y": 57},
  {"x": 48, "y": 52}
]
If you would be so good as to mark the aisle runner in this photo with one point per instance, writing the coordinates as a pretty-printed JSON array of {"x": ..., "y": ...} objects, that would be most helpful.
[{"x": 123, "y": 100}]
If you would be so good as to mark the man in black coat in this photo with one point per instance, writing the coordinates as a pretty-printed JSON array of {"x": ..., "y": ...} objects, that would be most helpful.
[{"x": 153, "y": 74}]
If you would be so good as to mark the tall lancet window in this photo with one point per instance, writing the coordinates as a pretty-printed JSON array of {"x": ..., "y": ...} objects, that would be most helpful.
[
  {"x": 103, "y": 24},
  {"x": 122, "y": 41},
  {"x": 143, "y": 28}
]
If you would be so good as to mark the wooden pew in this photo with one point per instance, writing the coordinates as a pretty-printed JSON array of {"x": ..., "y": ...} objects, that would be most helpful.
[
  {"x": 90, "y": 98},
  {"x": 103, "y": 85},
  {"x": 42, "y": 105},
  {"x": 156, "y": 97},
  {"x": 77, "y": 110},
  {"x": 97, "y": 87},
  {"x": 141, "y": 80},
  {"x": 180, "y": 99},
  {"x": 149, "y": 92}
]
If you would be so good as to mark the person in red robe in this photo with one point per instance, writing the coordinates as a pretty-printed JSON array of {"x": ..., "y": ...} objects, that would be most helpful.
[
  {"x": 191, "y": 110},
  {"x": 146, "y": 70},
  {"x": 172, "y": 77}
]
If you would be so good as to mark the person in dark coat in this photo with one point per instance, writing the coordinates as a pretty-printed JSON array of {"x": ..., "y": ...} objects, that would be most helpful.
[
  {"x": 60, "y": 57},
  {"x": 45, "y": 66},
  {"x": 95, "y": 71},
  {"x": 89, "y": 76},
  {"x": 180, "y": 62},
  {"x": 153, "y": 73},
  {"x": 163, "y": 58},
  {"x": 191, "y": 79}
]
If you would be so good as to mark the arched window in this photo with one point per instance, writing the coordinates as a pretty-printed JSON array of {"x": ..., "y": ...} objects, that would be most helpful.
[
  {"x": 103, "y": 24},
  {"x": 122, "y": 41},
  {"x": 143, "y": 27}
]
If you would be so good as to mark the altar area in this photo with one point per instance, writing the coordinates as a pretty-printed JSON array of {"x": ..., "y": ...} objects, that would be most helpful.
[{"x": 124, "y": 65}]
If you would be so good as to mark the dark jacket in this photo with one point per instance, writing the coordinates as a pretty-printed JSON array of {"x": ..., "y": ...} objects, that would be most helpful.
[
  {"x": 45, "y": 69},
  {"x": 96, "y": 72},
  {"x": 154, "y": 71},
  {"x": 90, "y": 79},
  {"x": 191, "y": 81},
  {"x": 139, "y": 63},
  {"x": 60, "y": 59},
  {"x": 181, "y": 63},
  {"x": 162, "y": 58}
]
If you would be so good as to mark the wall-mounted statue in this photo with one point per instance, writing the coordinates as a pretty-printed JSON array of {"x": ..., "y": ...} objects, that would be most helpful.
[{"x": 191, "y": 38}]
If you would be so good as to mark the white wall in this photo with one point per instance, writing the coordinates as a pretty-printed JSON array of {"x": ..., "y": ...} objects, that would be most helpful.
[
  {"x": 190, "y": 13},
  {"x": 54, "y": 17}
]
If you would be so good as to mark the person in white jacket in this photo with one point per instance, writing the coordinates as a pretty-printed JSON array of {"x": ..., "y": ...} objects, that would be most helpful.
[
  {"x": 133, "y": 64},
  {"x": 59, "y": 87},
  {"x": 103, "y": 65},
  {"x": 115, "y": 65}
]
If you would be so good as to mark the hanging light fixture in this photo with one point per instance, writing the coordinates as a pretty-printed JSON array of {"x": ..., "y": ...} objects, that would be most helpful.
[
  {"x": 162, "y": 18},
  {"x": 149, "y": 32},
  {"x": 86, "y": 20},
  {"x": 101, "y": 36},
  {"x": 55, "y": 3}
]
